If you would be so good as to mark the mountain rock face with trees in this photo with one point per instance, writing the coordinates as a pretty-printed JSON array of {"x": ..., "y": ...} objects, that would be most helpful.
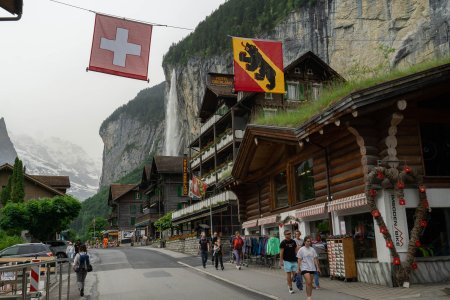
[
  {"x": 7, "y": 152},
  {"x": 353, "y": 37},
  {"x": 131, "y": 133}
]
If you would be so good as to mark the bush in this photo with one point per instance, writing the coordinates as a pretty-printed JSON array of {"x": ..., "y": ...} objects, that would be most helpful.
[{"x": 9, "y": 240}]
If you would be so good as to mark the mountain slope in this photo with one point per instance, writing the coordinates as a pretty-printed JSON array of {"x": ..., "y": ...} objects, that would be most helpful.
[
  {"x": 7, "y": 152},
  {"x": 54, "y": 156}
]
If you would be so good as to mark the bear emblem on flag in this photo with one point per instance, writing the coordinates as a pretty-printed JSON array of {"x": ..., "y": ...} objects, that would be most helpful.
[{"x": 256, "y": 61}]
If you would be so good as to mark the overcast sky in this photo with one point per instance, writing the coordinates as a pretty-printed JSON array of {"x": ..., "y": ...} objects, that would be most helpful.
[{"x": 44, "y": 87}]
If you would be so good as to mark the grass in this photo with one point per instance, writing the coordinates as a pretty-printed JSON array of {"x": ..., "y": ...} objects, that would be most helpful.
[{"x": 332, "y": 94}]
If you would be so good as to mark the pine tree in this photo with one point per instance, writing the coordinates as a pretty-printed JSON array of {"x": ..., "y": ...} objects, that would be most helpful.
[
  {"x": 5, "y": 196},
  {"x": 17, "y": 186}
]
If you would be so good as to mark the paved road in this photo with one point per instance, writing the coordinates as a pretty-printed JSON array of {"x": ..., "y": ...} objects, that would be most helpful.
[{"x": 133, "y": 273}]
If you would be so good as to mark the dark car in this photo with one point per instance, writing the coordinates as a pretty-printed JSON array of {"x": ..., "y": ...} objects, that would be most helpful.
[
  {"x": 27, "y": 250},
  {"x": 58, "y": 248}
]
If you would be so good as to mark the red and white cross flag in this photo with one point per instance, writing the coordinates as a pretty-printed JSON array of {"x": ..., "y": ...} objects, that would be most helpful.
[{"x": 120, "y": 47}]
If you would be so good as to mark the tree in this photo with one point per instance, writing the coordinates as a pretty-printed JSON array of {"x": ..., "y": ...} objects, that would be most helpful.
[
  {"x": 43, "y": 218},
  {"x": 17, "y": 187},
  {"x": 14, "y": 218},
  {"x": 97, "y": 225},
  {"x": 5, "y": 196}
]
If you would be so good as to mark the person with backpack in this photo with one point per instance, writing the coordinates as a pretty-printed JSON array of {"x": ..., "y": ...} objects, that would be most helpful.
[
  {"x": 238, "y": 243},
  {"x": 217, "y": 246},
  {"x": 81, "y": 266},
  {"x": 203, "y": 248}
]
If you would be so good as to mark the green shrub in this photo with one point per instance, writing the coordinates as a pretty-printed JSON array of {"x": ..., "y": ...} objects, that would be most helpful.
[{"x": 9, "y": 240}]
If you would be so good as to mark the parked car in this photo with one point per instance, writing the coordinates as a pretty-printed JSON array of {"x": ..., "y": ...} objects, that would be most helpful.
[
  {"x": 27, "y": 250},
  {"x": 58, "y": 248}
]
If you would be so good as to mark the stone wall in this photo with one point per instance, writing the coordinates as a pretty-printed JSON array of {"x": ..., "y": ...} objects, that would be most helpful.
[{"x": 190, "y": 246}]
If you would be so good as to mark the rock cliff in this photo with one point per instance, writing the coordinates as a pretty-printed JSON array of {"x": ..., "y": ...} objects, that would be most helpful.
[
  {"x": 7, "y": 152},
  {"x": 132, "y": 133},
  {"x": 349, "y": 35}
]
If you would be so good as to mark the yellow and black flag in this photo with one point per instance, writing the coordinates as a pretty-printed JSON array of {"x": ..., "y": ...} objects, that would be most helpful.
[{"x": 258, "y": 65}]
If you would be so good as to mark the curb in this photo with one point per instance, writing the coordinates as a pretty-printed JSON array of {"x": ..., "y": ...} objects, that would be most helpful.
[{"x": 231, "y": 282}]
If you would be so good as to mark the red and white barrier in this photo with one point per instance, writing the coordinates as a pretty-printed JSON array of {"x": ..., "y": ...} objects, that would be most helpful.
[{"x": 34, "y": 276}]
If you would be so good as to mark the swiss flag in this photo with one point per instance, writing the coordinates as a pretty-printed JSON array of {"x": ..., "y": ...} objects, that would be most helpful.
[{"x": 120, "y": 47}]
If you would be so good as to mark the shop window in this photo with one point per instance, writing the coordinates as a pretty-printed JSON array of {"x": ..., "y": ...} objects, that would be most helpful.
[
  {"x": 281, "y": 192},
  {"x": 361, "y": 228},
  {"x": 435, "y": 238},
  {"x": 304, "y": 181},
  {"x": 436, "y": 149}
]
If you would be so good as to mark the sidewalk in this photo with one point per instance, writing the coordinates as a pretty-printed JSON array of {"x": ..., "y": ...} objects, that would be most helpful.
[{"x": 272, "y": 283}]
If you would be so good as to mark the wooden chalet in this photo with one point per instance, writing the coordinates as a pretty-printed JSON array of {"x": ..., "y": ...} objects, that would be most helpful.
[
  {"x": 127, "y": 203},
  {"x": 164, "y": 186},
  {"x": 225, "y": 116},
  {"x": 37, "y": 186},
  {"x": 314, "y": 177}
]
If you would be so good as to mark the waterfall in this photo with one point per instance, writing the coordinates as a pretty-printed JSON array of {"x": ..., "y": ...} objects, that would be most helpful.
[{"x": 172, "y": 124}]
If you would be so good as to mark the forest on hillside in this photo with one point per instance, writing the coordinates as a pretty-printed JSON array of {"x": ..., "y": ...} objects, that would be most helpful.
[{"x": 233, "y": 18}]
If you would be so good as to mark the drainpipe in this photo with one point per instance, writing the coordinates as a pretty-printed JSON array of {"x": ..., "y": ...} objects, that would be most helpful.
[{"x": 327, "y": 170}]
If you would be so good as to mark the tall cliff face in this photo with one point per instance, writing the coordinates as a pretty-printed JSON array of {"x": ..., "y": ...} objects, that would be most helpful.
[
  {"x": 7, "y": 152},
  {"x": 347, "y": 34},
  {"x": 132, "y": 133}
]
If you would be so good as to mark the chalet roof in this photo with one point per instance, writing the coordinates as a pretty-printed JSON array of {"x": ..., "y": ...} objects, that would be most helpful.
[
  {"x": 38, "y": 180},
  {"x": 263, "y": 139},
  {"x": 118, "y": 190},
  {"x": 330, "y": 72},
  {"x": 168, "y": 164},
  {"x": 54, "y": 181},
  {"x": 378, "y": 97},
  {"x": 366, "y": 101},
  {"x": 214, "y": 91}
]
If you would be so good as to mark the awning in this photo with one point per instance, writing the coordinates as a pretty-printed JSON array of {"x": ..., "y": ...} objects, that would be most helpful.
[
  {"x": 348, "y": 202},
  {"x": 199, "y": 216},
  {"x": 268, "y": 220},
  {"x": 249, "y": 224},
  {"x": 312, "y": 210}
]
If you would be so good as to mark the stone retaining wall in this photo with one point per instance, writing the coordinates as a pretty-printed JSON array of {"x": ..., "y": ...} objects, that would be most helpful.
[{"x": 190, "y": 246}]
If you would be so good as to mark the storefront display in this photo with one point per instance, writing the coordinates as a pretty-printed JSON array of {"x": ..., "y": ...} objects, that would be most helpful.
[{"x": 341, "y": 258}]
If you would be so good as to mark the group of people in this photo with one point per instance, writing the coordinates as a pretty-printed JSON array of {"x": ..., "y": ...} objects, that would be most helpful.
[
  {"x": 78, "y": 255},
  {"x": 299, "y": 259}
]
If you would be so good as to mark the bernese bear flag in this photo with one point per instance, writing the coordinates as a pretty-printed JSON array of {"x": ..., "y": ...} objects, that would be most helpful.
[{"x": 258, "y": 65}]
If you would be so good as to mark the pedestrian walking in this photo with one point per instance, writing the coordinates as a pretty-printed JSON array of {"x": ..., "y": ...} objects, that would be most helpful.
[
  {"x": 288, "y": 259},
  {"x": 81, "y": 266},
  {"x": 308, "y": 264},
  {"x": 203, "y": 248},
  {"x": 77, "y": 246},
  {"x": 213, "y": 241},
  {"x": 217, "y": 253},
  {"x": 299, "y": 241},
  {"x": 70, "y": 251},
  {"x": 238, "y": 243}
]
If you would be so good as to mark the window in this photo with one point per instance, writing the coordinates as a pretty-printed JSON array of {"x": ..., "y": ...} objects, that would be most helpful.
[
  {"x": 304, "y": 181},
  {"x": 436, "y": 149},
  {"x": 268, "y": 112},
  {"x": 138, "y": 196},
  {"x": 435, "y": 237},
  {"x": 132, "y": 221},
  {"x": 362, "y": 229},
  {"x": 133, "y": 209},
  {"x": 268, "y": 96},
  {"x": 295, "y": 91},
  {"x": 281, "y": 192},
  {"x": 316, "y": 90}
]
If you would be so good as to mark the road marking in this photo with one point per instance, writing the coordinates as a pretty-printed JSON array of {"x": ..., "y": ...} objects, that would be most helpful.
[{"x": 231, "y": 282}]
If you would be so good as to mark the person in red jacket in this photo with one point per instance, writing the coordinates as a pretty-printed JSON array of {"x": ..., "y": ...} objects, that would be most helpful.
[{"x": 238, "y": 243}]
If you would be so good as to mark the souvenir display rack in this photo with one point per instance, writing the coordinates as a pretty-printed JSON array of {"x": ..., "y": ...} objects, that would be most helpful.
[{"x": 341, "y": 258}]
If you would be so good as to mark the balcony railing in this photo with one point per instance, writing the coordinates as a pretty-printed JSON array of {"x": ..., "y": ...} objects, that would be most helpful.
[
  {"x": 210, "y": 123},
  {"x": 212, "y": 201},
  {"x": 225, "y": 140}
]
